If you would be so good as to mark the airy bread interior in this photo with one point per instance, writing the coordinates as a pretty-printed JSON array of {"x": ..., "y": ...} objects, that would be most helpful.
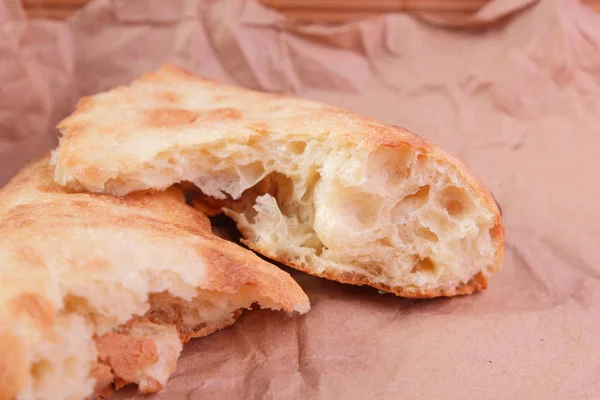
[{"x": 402, "y": 218}]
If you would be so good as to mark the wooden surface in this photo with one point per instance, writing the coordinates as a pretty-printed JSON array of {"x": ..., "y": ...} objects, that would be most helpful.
[{"x": 328, "y": 11}]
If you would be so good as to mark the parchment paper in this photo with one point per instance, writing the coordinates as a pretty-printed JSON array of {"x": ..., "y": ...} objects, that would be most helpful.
[{"x": 514, "y": 92}]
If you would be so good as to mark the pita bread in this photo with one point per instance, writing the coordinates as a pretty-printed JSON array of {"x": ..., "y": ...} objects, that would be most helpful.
[
  {"x": 98, "y": 289},
  {"x": 318, "y": 188}
]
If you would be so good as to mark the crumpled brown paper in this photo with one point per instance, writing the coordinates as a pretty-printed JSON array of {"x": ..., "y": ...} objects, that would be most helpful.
[
  {"x": 513, "y": 91},
  {"x": 36, "y": 72}
]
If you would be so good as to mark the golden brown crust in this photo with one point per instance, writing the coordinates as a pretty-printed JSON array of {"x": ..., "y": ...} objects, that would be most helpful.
[
  {"x": 349, "y": 126},
  {"x": 478, "y": 282}
]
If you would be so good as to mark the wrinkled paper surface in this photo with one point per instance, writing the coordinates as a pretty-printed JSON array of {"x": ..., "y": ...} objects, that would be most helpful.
[{"x": 514, "y": 91}]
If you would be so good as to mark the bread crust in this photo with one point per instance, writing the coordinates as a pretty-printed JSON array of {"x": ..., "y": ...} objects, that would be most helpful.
[
  {"x": 478, "y": 282},
  {"x": 198, "y": 113},
  {"x": 77, "y": 265},
  {"x": 50, "y": 205}
]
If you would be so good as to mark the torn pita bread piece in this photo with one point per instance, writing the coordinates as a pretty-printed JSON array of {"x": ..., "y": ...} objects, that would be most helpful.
[
  {"x": 96, "y": 289},
  {"x": 319, "y": 188}
]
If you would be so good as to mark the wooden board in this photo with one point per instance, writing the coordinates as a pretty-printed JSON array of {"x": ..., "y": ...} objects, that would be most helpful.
[{"x": 326, "y": 11}]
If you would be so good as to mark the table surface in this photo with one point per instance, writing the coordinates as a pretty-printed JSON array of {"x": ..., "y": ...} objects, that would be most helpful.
[{"x": 328, "y": 11}]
